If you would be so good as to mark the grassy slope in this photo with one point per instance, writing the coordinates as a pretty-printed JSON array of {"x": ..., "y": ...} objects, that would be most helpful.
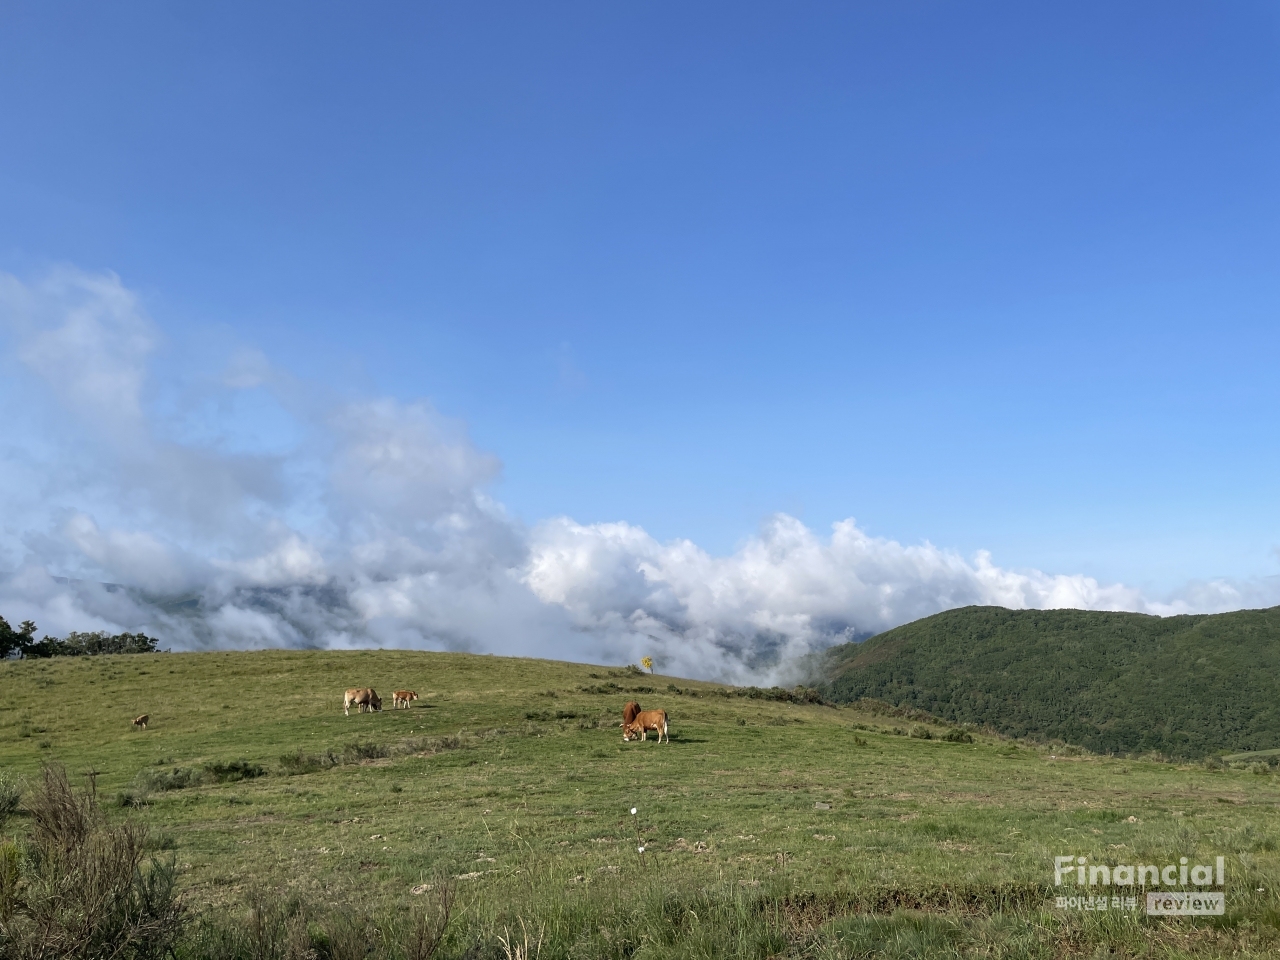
[
  {"x": 729, "y": 804},
  {"x": 1113, "y": 682}
]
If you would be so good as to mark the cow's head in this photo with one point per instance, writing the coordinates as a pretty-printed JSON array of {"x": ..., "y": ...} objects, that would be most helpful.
[{"x": 630, "y": 730}]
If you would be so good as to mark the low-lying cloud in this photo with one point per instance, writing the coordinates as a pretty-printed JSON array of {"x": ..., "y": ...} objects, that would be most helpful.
[{"x": 243, "y": 509}]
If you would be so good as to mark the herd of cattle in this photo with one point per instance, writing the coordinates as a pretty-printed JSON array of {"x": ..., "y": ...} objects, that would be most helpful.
[{"x": 635, "y": 722}]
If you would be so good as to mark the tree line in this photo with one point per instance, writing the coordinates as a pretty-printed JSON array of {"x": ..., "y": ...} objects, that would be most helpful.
[{"x": 22, "y": 642}]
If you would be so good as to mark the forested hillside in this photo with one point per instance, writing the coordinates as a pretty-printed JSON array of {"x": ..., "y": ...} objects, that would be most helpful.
[{"x": 1112, "y": 682}]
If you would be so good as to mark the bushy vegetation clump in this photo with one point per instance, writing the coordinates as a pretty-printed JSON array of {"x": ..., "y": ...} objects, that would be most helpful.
[
  {"x": 80, "y": 888},
  {"x": 10, "y": 796}
]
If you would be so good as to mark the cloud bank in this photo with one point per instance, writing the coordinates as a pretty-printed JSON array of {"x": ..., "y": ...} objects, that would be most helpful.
[{"x": 237, "y": 507}]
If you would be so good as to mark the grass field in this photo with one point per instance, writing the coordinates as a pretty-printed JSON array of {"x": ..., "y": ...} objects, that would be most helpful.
[{"x": 769, "y": 828}]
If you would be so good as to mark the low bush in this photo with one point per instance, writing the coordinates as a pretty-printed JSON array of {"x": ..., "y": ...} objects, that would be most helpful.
[
  {"x": 797, "y": 694},
  {"x": 297, "y": 762},
  {"x": 277, "y": 928},
  {"x": 547, "y": 715},
  {"x": 10, "y": 796},
  {"x": 81, "y": 889},
  {"x": 234, "y": 771},
  {"x": 173, "y": 778},
  {"x": 360, "y": 750}
]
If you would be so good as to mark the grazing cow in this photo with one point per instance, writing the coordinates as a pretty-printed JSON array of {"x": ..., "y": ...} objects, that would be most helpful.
[
  {"x": 629, "y": 711},
  {"x": 402, "y": 697},
  {"x": 365, "y": 698},
  {"x": 644, "y": 722},
  {"x": 141, "y": 722}
]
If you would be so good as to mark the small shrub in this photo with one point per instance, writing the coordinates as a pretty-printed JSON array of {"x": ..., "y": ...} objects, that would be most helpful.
[
  {"x": 958, "y": 736},
  {"x": 426, "y": 928},
  {"x": 297, "y": 762},
  {"x": 920, "y": 732},
  {"x": 81, "y": 887},
  {"x": 10, "y": 796},
  {"x": 361, "y": 750},
  {"x": 176, "y": 778},
  {"x": 601, "y": 688},
  {"x": 234, "y": 771},
  {"x": 799, "y": 694},
  {"x": 164, "y": 841},
  {"x": 271, "y": 929}
]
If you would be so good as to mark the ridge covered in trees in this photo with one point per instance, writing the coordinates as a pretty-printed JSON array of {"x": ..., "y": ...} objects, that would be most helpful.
[
  {"x": 1184, "y": 687},
  {"x": 22, "y": 642}
]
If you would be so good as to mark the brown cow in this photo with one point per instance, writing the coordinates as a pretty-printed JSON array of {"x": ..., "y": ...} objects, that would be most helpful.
[
  {"x": 141, "y": 722},
  {"x": 644, "y": 722},
  {"x": 365, "y": 698},
  {"x": 402, "y": 697},
  {"x": 629, "y": 711}
]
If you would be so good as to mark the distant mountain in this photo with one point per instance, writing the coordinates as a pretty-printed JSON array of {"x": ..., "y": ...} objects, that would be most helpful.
[{"x": 1111, "y": 682}]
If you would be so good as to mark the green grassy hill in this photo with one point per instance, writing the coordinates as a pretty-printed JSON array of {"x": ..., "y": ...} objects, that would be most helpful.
[
  {"x": 1112, "y": 682},
  {"x": 770, "y": 828}
]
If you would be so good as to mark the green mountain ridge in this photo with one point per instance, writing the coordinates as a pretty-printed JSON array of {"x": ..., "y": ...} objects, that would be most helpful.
[{"x": 1186, "y": 686}]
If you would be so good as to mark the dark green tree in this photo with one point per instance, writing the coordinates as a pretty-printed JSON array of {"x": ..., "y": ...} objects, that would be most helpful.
[{"x": 15, "y": 641}]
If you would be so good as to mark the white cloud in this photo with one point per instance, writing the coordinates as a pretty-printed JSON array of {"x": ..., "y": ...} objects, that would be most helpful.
[
  {"x": 372, "y": 525},
  {"x": 86, "y": 335}
]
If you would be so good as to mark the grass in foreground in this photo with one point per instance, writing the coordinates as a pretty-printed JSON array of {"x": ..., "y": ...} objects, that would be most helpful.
[{"x": 769, "y": 829}]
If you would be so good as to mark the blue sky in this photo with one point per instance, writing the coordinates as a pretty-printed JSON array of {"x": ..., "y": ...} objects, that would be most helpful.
[{"x": 994, "y": 276}]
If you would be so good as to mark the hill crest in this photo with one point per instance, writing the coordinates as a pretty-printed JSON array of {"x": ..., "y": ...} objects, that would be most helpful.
[{"x": 1184, "y": 686}]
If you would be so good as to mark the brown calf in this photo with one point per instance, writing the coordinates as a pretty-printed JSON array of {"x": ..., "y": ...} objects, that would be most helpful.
[{"x": 402, "y": 698}]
